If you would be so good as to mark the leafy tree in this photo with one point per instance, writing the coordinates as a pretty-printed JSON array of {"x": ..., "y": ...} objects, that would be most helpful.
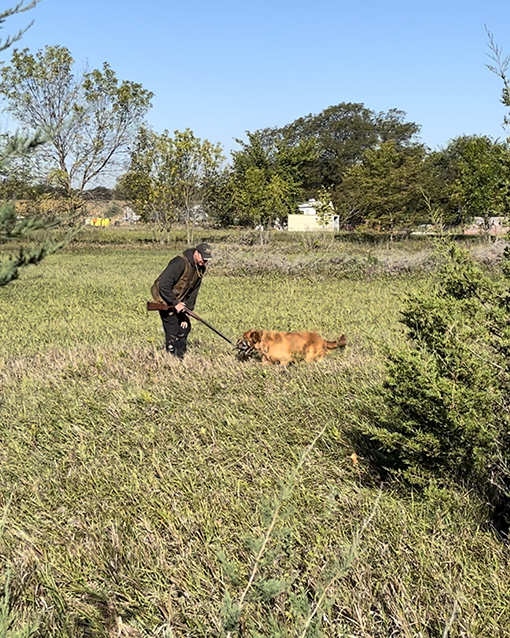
[
  {"x": 482, "y": 176},
  {"x": 89, "y": 119},
  {"x": 440, "y": 175},
  {"x": 171, "y": 177},
  {"x": 324, "y": 207},
  {"x": 261, "y": 199},
  {"x": 385, "y": 189},
  {"x": 17, "y": 172},
  {"x": 276, "y": 153},
  {"x": 220, "y": 205},
  {"x": 16, "y": 186},
  {"x": 265, "y": 183},
  {"x": 147, "y": 184},
  {"x": 469, "y": 178},
  {"x": 340, "y": 136},
  {"x": 194, "y": 166}
]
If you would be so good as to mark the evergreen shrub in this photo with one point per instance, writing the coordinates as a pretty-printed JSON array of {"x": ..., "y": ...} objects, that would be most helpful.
[{"x": 445, "y": 401}]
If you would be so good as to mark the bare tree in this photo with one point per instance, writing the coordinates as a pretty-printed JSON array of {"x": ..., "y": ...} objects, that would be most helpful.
[{"x": 89, "y": 118}]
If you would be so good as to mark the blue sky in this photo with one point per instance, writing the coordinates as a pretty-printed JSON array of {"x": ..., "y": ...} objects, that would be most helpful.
[{"x": 224, "y": 67}]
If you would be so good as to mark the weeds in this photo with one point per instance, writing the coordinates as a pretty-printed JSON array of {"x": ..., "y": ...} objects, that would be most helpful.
[
  {"x": 9, "y": 620},
  {"x": 139, "y": 482},
  {"x": 270, "y": 588}
]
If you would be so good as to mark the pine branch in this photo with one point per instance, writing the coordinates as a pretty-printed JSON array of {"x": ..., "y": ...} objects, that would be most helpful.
[
  {"x": 285, "y": 494},
  {"x": 19, "y": 8}
]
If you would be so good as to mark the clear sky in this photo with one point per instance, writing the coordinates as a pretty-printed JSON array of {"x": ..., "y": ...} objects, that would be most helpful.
[{"x": 224, "y": 67}]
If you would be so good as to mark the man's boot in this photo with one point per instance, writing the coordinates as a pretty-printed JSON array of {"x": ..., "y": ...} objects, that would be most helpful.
[
  {"x": 170, "y": 346},
  {"x": 176, "y": 347},
  {"x": 180, "y": 347}
]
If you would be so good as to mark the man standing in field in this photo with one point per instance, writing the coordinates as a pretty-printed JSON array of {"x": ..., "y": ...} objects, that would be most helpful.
[{"x": 178, "y": 286}]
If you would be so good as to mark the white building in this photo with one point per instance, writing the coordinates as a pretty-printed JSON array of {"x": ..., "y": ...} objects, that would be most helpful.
[
  {"x": 495, "y": 226},
  {"x": 130, "y": 216},
  {"x": 307, "y": 220},
  {"x": 308, "y": 208}
]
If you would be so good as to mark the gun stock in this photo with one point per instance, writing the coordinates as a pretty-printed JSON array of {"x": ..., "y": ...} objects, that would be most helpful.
[
  {"x": 161, "y": 305},
  {"x": 158, "y": 305}
]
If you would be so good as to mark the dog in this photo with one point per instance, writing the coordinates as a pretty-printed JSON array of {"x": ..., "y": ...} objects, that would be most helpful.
[{"x": 286, "y": 347}]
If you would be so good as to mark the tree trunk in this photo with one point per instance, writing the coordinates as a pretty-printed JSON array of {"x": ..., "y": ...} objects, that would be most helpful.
[{"x": 189, "y": 234}]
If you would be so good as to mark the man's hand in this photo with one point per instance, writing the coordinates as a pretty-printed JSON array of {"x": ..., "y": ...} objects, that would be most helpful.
[
  {"x": 184, "y": 324},
  {"x": 180, "y": 307}
]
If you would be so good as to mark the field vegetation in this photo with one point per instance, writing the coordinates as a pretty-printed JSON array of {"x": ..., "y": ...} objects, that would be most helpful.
[
  {"x": 364, "y": 496},
  {"x": 217, "y": 497}
]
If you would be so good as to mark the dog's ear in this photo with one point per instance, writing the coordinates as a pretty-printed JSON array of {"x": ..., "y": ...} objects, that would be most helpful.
[{"x": 253, "y": 336}]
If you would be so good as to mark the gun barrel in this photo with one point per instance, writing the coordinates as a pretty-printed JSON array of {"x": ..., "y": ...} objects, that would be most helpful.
[
  {"x": 195, "y": 316},
  {"x": 157, "y": 305}
]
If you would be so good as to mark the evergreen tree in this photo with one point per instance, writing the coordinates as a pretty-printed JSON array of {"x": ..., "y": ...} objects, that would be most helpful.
[
  {"x": 446, "y": 414},
  {"x": 30, "y": 235}
]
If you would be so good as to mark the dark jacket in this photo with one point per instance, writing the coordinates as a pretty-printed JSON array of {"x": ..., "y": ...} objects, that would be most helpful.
[{"x": 170, "y": 280}]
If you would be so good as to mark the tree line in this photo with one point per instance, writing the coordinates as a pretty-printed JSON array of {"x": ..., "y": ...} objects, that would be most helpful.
[{"x": 372, "y": 166}]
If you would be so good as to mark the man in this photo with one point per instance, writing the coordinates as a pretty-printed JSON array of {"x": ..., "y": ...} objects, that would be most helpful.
[{"x": 178, "y": 286}]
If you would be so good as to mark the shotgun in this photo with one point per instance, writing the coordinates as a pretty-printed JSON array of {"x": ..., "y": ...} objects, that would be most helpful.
[{"x": 158, "y": 305}]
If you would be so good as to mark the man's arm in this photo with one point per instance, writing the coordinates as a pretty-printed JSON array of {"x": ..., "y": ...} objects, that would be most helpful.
[
  {"x": 191, "y": 300},
  {"x": 169, "y": 277}
]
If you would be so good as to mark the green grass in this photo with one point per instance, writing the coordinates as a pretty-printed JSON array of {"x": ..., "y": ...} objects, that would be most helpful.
[
  {"x": 84, "y": 298},
  {"x": 141, "y": 486}
]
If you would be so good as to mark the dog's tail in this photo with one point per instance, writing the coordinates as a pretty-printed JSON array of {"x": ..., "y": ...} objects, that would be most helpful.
[{"x": 340, "y": 343}]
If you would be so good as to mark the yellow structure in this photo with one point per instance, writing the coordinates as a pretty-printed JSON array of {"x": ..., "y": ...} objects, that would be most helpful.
[
  {"x": 99, "y": 221},
  {"x": 310, "y": 223}
]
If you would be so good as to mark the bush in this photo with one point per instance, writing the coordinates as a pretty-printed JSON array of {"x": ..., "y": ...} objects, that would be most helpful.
[{"x": 446, "y": 400}]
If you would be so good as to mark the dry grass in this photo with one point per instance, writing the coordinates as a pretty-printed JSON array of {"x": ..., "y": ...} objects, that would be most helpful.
[{"x": 141, "y": 487}]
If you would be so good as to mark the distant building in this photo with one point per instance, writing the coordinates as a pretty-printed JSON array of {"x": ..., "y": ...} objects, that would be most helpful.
[
  {"x": 308, "y": 208},
  {"x": 97, "y": 221},
  {"x": 307, "y": 220},
  {"x": 130, "y": 216},
  {"x": 496, "y": 226}
]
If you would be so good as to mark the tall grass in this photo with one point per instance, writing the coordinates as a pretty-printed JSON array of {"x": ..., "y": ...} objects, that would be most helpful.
[{"x": 141, "y": 486}]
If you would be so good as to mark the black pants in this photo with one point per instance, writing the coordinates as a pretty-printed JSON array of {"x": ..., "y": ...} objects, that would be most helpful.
[{"x": 176, "y": 337}]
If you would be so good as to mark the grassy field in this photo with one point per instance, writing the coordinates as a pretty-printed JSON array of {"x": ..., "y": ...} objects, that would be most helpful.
[{"x": 149, "y": 497}]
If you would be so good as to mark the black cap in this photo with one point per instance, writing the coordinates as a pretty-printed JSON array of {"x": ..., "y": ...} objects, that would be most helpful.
[{"x": 205, "y": 250}]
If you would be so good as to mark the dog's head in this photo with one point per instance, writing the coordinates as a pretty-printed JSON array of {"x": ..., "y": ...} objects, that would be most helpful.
[
  {"x": 247, "y": 342},
  {"x": 253, "y": 336}
]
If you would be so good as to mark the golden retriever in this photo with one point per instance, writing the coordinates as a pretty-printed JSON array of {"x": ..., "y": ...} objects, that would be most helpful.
[{"x": 284, "y": 347}]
